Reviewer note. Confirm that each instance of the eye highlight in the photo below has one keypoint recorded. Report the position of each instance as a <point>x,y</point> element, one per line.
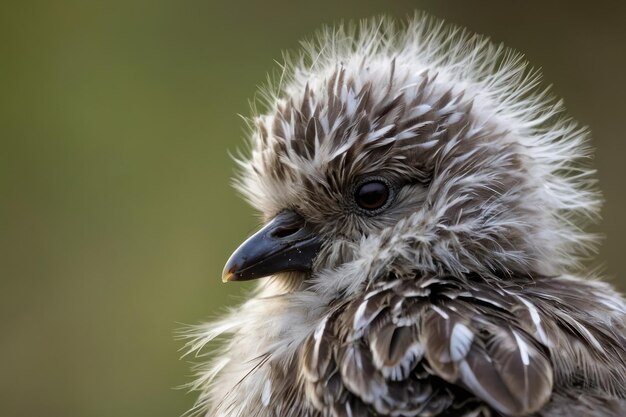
<point>372,195</point>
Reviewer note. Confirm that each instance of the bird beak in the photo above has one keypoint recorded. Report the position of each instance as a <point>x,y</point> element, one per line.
<point>286,243</point>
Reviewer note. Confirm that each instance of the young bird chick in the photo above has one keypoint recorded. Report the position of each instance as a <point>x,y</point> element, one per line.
<point>424,202</point>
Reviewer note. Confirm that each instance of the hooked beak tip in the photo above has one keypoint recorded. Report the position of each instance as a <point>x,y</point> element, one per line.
<point>228,274</point>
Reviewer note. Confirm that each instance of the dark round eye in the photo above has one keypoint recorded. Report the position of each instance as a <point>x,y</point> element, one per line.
<point>372,195</point>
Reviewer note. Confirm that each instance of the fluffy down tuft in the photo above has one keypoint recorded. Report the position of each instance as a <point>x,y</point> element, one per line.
<point>505,170</point>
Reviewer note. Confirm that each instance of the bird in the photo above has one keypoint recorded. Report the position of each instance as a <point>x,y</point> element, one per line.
<point>425,200</point>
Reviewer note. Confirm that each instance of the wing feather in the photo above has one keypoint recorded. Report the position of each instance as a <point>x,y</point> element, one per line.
<point>426,347</point>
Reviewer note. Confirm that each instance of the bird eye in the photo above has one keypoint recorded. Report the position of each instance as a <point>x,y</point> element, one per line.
<point>372,195</point>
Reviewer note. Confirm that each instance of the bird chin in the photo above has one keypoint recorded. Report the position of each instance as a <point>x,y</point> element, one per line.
<point>287,282</point>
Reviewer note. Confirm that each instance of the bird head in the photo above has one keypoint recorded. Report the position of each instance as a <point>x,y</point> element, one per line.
<point>388,149</point>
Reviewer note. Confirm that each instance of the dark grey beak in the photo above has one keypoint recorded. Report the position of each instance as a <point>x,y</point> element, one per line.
<point>286,243</point>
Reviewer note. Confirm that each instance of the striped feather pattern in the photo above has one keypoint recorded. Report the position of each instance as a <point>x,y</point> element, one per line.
<point>443,346</point>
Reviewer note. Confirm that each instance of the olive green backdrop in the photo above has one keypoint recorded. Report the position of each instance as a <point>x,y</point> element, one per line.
<point>116,215</point>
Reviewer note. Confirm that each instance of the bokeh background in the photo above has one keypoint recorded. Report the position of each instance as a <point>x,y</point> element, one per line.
<point>116,214</point>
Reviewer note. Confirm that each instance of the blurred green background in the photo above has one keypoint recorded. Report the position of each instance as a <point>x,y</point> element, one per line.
<point>116,215</point>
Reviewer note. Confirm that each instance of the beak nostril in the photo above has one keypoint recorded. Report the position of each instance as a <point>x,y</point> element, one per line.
<point>285,243</point>
<point>285,231</point>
